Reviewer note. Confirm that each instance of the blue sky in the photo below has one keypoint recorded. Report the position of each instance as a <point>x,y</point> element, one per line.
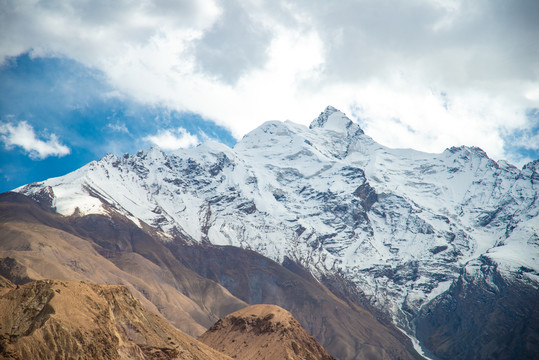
<point>61,97</point>
<point>79,79</point>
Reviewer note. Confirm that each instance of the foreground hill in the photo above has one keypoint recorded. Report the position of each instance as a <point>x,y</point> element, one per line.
<point>63,319</point>
<point>263,332</point>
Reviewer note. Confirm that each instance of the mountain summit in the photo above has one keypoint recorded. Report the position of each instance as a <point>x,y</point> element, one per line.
<point>333,119</point>
<point>411,230</point>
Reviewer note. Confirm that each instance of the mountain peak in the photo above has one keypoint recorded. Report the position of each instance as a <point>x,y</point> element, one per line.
<point>332,119</point>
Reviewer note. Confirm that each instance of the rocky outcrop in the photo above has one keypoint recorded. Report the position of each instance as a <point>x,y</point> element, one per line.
<point>263,332</point>
<point>62,319</point>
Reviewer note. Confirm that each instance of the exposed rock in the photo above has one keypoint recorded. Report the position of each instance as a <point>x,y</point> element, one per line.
<point>263,332</point>
<point>367,195</point>
<point>64,319</point>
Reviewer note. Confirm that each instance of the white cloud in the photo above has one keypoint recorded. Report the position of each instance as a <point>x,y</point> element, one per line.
<point>22,134</point>
<point>173,139</point>
<point>240,63</point>
<point>118,127</point>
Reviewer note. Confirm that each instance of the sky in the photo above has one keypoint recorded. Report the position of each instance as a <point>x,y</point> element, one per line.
<point>80,79</point>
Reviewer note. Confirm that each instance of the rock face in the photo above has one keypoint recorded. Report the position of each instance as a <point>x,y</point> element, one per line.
<point>482,316</point>
<point>263,332</point>
<point>66,319</point>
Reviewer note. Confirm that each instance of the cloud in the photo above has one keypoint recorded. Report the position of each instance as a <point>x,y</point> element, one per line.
<point>97,31</point>
<point>23,135</point>
<point>173,139</point>
<point>227,50</point>
<point>426,74</point>
<point>118,127</point>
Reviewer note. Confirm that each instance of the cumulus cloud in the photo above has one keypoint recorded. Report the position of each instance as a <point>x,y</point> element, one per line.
<point>228,52</point>
<point>426,74</point>
<point>173,139</point>
<point>22,135</point>
<point>95,32</point>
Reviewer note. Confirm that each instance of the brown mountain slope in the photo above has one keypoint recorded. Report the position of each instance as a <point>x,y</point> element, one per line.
<point>62,319</point>
<point>113,250</point>
<point>345,328</point>
<point>263,332</point>
<point>39,244</point>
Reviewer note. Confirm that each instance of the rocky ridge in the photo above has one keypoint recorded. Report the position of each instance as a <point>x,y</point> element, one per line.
<point>88,321</point>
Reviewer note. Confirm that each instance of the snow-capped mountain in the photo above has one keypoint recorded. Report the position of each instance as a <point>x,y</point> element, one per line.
<point>402,225</point>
